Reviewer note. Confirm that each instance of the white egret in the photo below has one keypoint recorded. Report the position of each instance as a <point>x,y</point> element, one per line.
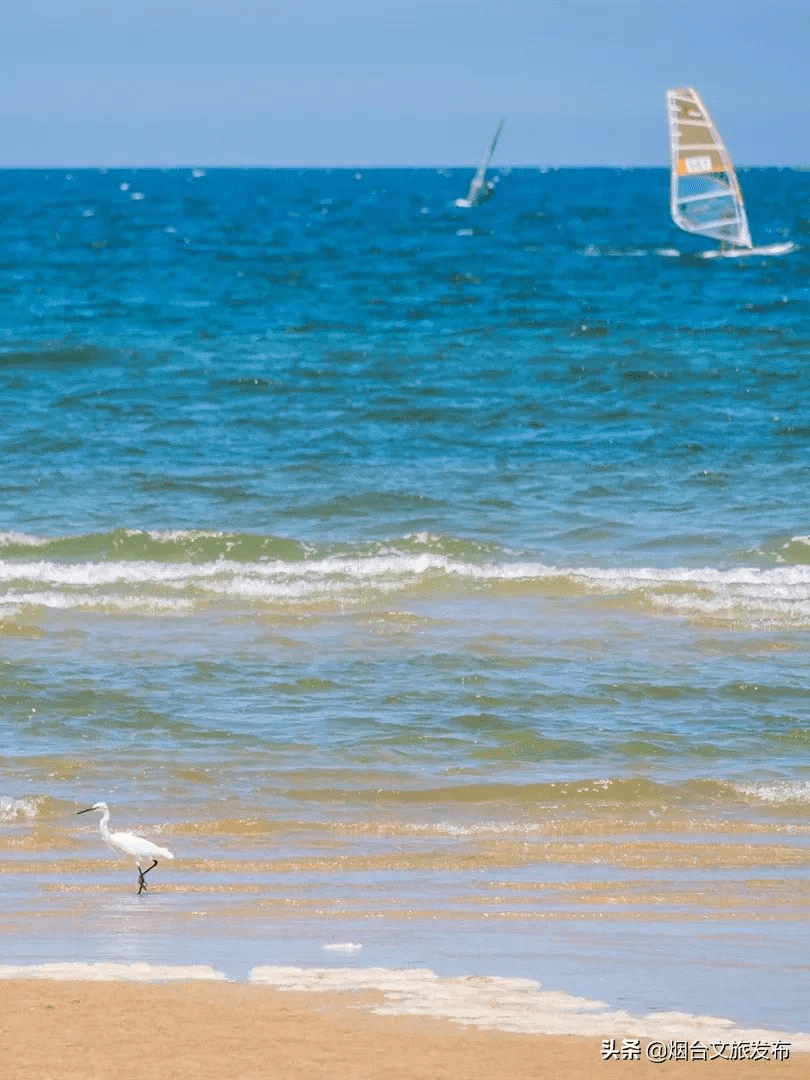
<point>127,843</point>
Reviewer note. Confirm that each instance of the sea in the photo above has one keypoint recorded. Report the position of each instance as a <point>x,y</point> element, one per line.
<point>433,582</point>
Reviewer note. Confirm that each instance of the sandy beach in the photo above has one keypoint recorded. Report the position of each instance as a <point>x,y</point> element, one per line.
<point>78,1030</point>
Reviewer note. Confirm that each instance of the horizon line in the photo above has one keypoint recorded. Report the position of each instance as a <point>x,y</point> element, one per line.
<point>473,167</point>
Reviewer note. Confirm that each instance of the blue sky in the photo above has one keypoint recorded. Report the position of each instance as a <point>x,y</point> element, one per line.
<point>395,82</point>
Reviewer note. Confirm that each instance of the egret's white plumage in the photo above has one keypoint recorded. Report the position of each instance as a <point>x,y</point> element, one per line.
<point>127,843</point>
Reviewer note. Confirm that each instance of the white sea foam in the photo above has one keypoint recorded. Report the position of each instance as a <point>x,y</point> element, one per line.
<point>777,792</point>
<point>12,602</point>
<point>12,809</point>
<point>506,1004</point>
<point>621,253</point>
<point>753,596</point>
<point>343,946</point>
<point>108,972</point>
<point>519,1005</point>
<point>176,534</point>
<point>7,538</point>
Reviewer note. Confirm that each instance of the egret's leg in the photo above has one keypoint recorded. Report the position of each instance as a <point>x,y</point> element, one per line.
<point>142,874</point>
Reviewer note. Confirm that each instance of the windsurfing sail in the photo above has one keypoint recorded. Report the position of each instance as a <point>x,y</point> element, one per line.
<point>482,189</point>
<point>705,196</point>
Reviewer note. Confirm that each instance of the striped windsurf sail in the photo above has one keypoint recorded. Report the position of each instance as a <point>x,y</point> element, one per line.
<point>705,192</point>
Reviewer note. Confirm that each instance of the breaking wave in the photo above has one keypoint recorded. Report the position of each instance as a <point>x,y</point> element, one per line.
<point>175,572</point>
<point>180,571</point>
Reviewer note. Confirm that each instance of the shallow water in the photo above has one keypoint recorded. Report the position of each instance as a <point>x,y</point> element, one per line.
<point>429,579</point>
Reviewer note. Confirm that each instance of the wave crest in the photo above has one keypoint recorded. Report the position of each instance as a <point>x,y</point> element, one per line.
<point>177,571</point>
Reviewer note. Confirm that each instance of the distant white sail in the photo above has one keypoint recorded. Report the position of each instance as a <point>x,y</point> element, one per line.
<point>705,193</point>
<point>480,188</point>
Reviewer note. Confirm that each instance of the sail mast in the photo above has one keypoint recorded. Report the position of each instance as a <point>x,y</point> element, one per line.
<point>480,190</point>
<point>492,145</point>
<point>478,179</point>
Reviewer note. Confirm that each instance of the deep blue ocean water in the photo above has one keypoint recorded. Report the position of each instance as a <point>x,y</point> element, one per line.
<point>338,523</point>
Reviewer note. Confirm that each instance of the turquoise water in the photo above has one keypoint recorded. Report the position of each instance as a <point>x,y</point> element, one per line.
<point>396,564</point>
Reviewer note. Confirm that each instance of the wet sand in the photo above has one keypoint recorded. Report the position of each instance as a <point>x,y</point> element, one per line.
<point>236,1031</point>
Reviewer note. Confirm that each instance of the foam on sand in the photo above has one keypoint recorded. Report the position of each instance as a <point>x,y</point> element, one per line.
<point>109,972</point>
<point>517,1005</point>
<point>486,1002</point>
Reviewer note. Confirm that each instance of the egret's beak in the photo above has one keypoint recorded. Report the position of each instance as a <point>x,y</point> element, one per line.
<point>87,811</point>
